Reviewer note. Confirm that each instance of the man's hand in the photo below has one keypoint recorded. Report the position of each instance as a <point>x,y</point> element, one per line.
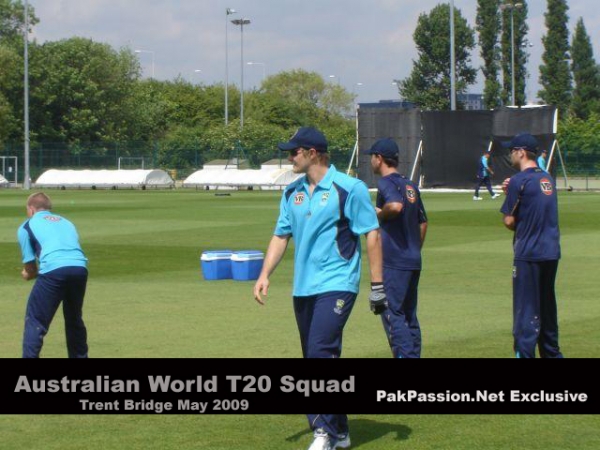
<point>505,186</point>
<point>30,271</point>
<point>261,287</point>
<point>377,298</point>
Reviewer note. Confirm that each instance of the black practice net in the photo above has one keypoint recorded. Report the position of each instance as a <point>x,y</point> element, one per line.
<point>404,126</point>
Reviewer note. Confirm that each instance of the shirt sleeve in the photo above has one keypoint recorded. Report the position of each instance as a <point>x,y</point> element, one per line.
<point>360,211</point>
<point>484,161</point>
<point>283,226</point>
<point>512,197</point>
<point>27,250</point>
<point>390,192</point>
<point>422,213</point>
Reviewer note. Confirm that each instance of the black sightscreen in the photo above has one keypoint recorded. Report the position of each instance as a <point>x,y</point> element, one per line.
<point>453,142</point>
<point>402,125</point>
<point>511,121</point>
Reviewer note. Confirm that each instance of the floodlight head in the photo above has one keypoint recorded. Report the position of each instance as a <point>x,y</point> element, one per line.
<point>240,21</point>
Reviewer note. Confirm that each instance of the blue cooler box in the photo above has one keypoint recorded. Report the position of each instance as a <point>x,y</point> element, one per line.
<point>247,264</point>
<point>216,264</point>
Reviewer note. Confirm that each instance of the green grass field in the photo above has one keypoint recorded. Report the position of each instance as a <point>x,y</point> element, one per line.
<point>146,298</point>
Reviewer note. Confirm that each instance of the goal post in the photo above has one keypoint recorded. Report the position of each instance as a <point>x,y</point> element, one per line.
<point>9,169</point>
<point>131,163</point>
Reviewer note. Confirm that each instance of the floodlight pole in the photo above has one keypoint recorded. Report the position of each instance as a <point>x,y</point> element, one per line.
<point>228,12</point>
<point>26,175</point>
<point>241,23</point>
<point>452,60</point>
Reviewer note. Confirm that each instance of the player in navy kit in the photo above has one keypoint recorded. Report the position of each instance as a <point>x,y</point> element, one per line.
<point>52,241</point>
<point>403,224</point>
<point>531,211</point>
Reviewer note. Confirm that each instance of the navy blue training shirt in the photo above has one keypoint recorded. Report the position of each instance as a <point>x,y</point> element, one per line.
<point>532,200</point>
<point>401,236</point>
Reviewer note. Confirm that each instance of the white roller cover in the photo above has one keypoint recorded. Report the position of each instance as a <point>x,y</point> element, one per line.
<point>104,178</point>
<point>233,178</point>
<point>3,181</point>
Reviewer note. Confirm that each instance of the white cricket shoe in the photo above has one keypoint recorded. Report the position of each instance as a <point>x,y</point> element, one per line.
<point>477,198</point>
<point>495,196</point>
<point>343,441</point>
<point>322,441</point>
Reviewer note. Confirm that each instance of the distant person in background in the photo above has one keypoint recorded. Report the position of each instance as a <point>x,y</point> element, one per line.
<point>541,161</point>
<point>325,212</point>
<point>52,241</point>
<point>531,211</point>
<point>483,176</point>
<point>403,223</point>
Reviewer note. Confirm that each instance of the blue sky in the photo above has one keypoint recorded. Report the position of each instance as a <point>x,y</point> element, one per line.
<point>357,41</point>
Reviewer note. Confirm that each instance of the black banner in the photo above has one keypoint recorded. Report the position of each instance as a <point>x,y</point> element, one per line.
<point>297,386</point>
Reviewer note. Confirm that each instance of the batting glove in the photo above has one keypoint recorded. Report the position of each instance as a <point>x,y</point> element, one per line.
<point>377,298</point>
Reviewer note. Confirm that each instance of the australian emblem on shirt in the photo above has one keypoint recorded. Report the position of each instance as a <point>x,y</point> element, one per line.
<point>546,186</point>
<point>411,194</point>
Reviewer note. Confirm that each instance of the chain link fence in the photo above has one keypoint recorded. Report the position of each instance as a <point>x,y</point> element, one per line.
<point>178,161</point>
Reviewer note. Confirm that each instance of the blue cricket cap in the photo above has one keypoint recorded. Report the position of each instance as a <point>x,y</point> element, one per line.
<point>525,141</point>
<point>386,147</point>
<point>306,137</point>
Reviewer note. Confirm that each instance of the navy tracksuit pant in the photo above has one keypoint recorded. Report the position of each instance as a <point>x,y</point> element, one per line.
<point>400,318</point>
<point>535,318</point>
<point>321,320</point>
<point>66,284</point>
<point>483,181</point>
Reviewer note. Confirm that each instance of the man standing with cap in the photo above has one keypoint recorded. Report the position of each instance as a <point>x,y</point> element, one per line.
<point>325,212</point>
<point>403,223</point>
<point>531,211</point>
<point>483,176</point>
<point>62,277</point>
<point>541,161</point>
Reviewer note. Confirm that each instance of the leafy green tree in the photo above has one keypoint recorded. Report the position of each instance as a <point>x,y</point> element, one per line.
<point>78,91</point>
<point>555,76</point>
<point>296,98</point>
<point>11,93</point>
<point>488,27</point>
<point>514,12</point>
<point>429,82</point>
<point>586,74</point>
<point>12,21</point>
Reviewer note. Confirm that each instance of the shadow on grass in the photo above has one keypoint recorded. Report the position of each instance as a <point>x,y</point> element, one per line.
<point>363,431</point>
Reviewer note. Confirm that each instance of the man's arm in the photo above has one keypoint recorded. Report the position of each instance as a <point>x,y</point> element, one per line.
<point>275,253</point>
<point>375,255</point>
<point>389,211</point>
<point>423,227</point>
<point>30,271</point>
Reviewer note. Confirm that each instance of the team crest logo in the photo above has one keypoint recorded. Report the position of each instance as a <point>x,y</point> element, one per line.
<point>299,198</point>
<point>339,305</point>
<point>324,198</point>
<point>546,186</point>
<point>411,194</point>
<point>52,218</point>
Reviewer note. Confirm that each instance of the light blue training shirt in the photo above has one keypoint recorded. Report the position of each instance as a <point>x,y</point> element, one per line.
<point>52,240</point>
<point>326,229</point>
